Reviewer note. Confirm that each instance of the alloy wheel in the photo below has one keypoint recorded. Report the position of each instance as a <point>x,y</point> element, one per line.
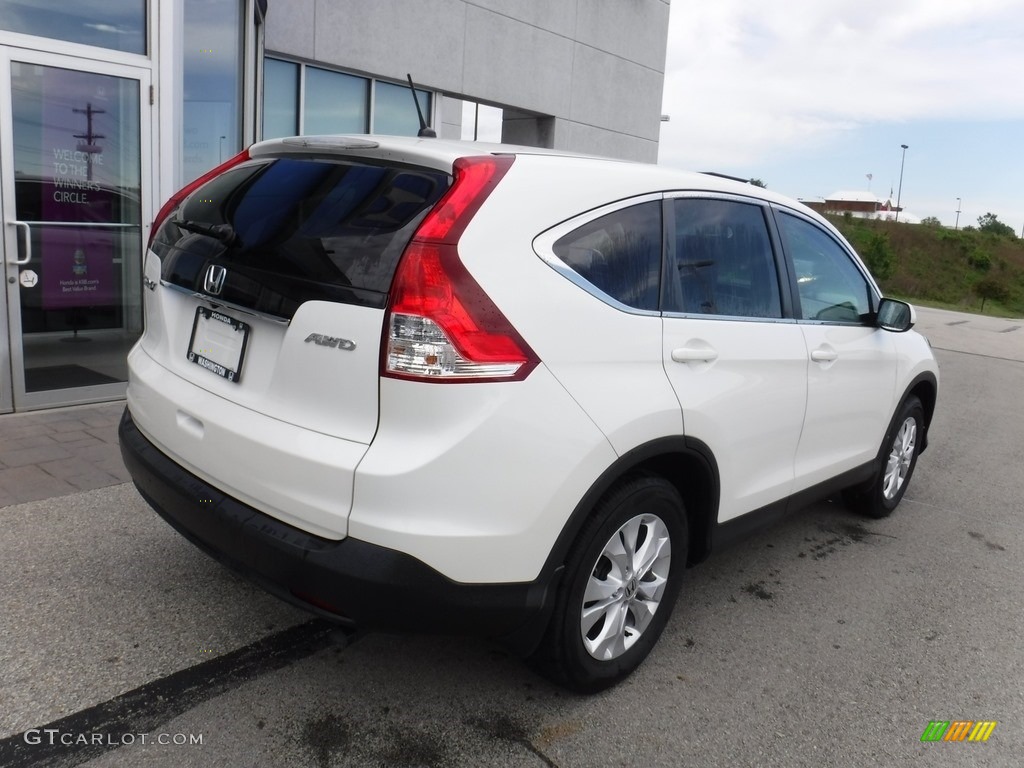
<point>900,457</point>
<point>625,587</point>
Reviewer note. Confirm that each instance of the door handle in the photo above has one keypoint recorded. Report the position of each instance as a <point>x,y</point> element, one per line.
<point>25,234</point>
<point>824,355</point>
<point>694,355</point>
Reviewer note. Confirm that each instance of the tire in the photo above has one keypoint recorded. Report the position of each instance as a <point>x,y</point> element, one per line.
<point>618,592</point>
<point>896,460</point>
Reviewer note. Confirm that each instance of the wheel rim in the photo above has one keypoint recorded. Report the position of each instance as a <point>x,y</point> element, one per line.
<point>625,587</point>
<point>900,457</point>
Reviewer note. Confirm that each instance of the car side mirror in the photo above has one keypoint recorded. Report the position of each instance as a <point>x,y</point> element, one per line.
<point>896,316</point>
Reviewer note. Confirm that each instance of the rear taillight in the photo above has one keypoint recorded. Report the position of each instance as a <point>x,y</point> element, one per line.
<point>175,200</point>
<point>440,325</point>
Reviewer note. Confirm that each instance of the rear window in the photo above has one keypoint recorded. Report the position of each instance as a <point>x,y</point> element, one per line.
<point>289,231</point>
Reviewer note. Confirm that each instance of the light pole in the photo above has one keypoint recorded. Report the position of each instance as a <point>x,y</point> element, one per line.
<point>900,193</point>
<point>221,159</point>
<point>957,225</point>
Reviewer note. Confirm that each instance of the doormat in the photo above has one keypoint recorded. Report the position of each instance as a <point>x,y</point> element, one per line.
<point>64,377</point>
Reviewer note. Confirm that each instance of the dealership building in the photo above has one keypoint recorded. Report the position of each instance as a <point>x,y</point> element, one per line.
<point>109,106</point>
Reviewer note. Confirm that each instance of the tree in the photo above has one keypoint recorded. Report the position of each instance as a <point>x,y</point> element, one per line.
<point>990,288</point>
<point>759,183</point>
<point>979,258</point>
<point>931,221</point>
<point>991,223</point>
<point>879,255</point>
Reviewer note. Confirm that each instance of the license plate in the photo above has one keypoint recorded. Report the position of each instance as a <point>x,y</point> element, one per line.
<point>218,343</point>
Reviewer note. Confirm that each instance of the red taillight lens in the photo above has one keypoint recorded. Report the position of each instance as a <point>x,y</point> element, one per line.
<point>475,179</point>
<point>441,326</point>
<point>175,200</point>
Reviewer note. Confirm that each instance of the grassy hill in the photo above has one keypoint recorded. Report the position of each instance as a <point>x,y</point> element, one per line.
<point>942,267</point>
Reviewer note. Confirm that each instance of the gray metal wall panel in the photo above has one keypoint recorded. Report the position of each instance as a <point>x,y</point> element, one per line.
<point>610,92</point>
<point>388,38</point>
<point>558,16</point>
<point>512,62</point>
<point>596,66</point>
<point>633,30</point>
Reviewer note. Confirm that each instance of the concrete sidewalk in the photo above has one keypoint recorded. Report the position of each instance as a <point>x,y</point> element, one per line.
<point>60,451</point>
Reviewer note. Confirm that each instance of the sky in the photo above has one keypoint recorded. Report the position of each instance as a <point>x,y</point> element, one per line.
<point>812,96</point>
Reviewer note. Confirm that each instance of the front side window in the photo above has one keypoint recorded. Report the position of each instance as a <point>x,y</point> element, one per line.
<point>722,262</point>
<point>619,254</point>
<point>830,286</point>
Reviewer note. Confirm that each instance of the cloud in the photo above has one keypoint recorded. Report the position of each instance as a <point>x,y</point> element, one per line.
<point>744,79</point>
<point>105,28</point>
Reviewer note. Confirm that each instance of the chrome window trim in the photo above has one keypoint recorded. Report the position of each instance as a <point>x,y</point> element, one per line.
<point>727,318</point>
<point>217,302</point>
<point>543,246</point>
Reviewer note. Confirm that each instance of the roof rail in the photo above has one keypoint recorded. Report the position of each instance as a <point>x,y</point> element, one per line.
<point>726,176</point>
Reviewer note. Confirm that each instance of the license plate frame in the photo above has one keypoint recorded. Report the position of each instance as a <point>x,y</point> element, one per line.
<point>218,343</point>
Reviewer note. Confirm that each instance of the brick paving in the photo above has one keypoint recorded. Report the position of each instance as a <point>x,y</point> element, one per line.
<point>60,451</point>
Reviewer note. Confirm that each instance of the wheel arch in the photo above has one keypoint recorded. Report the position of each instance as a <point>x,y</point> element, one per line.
<point>685,462</point>
<point>925,387</point>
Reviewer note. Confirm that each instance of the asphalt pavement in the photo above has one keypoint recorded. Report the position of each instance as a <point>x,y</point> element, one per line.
<point>826,640</point>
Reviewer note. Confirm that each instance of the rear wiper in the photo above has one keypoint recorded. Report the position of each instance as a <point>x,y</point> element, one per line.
<point>223,232</point>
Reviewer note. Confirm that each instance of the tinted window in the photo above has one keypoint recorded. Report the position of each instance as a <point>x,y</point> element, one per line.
<point>722,262</point>
<point>394,111</point>
<point>212,67</point>
<point>336,102</point>
<point>280,98</point>
<point>116,24</point>
<point>619,253</point>
<point>830,286</point>
<point>294,230</point>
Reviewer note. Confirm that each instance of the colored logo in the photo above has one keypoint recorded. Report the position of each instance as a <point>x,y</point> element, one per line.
<point>958,730</point>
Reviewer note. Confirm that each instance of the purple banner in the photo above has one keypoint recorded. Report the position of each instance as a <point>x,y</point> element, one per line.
<point>78,268</point>
<point>77,263</point>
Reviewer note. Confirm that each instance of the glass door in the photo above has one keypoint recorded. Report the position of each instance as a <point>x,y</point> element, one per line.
<point>74,154</point>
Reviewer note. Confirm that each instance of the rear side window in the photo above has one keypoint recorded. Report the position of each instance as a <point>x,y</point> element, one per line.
<point>722,261</point>
<point>294,230</point>
<point>619,254</point>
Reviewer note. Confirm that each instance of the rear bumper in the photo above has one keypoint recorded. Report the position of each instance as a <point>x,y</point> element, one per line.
<point>358,584</point>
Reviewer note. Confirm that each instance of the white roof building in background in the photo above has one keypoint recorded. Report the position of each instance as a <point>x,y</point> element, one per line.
<point>866,205</point>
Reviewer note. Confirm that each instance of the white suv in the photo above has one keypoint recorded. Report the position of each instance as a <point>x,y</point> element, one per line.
<point>411,384</point>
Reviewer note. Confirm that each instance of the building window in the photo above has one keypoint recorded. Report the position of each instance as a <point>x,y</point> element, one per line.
<point>394,113</point>
<point>211,127</point>
<point>336,102</point>
<point>281,103</point>
<point>119,25</point>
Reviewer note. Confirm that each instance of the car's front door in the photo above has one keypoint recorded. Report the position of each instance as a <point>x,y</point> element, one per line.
<point>852,363</point>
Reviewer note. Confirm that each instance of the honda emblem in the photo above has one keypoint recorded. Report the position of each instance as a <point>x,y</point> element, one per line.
<point>213,283</point>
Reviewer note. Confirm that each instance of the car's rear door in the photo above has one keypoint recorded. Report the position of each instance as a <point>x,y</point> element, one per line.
<point>738,366</point>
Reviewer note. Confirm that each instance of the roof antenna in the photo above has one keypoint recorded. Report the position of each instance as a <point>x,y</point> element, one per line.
<point>425,132</point>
